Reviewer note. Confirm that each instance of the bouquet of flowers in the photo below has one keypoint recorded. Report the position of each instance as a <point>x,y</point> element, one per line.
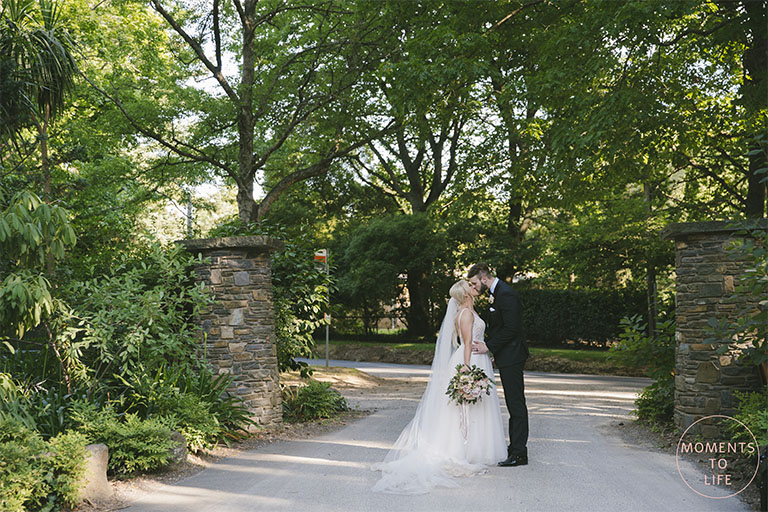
<point>468,385</point>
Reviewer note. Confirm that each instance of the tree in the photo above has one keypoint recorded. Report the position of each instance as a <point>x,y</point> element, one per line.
<point>378,253</point>
<point>299,61</point>
<point>426,91</point>
<point>38,57</point>
<point>517,62</point>
<point>682,94</point>
<point>33,235</point>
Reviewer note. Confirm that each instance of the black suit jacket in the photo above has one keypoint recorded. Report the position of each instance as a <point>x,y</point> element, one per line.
<point>505,335</point>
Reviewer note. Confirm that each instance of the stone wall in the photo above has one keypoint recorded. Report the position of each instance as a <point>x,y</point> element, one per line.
<point>240,326</point>
<point>705,278</point>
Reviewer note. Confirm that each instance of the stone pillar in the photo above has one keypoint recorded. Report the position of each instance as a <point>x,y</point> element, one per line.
<point>705,278</point>
<point>240,325</point>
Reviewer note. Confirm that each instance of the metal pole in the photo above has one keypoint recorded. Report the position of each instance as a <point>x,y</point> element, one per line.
<point>328,316</point>
<point>189,214</point>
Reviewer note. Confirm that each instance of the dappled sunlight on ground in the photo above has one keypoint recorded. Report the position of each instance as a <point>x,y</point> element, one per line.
<point>572,456</point>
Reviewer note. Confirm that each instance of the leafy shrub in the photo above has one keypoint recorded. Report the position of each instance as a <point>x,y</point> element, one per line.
<point>656,403</point>
<point>33,235</point>
<point>147,393</point>
<point>37,408</point>
<point>36,475</point>
<point>233,416</point>
<point>313,401</point>
<point>196,404</point>
<point>14,406</point>
<point>138,318</point>
<point>68,462</point>
<point>753,412</point>
<point>135,445</point>
<point>188,414</point>
<point>656,353</point>
<point>20,471</point>
<point>639,350</point>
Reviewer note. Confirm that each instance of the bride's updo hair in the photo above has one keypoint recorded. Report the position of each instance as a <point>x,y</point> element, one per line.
<point>460,291</point>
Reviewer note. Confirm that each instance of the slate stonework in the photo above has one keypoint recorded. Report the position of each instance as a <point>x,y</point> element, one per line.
<point>705,277</point>
<point>240,325</point>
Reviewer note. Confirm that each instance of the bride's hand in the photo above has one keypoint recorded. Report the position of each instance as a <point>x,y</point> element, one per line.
<point>479,347</point>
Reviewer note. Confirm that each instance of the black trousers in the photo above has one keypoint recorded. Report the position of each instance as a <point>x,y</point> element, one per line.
<point>514,396</point>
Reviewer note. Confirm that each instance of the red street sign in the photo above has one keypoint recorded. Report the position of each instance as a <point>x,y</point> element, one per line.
<point>321,255</point>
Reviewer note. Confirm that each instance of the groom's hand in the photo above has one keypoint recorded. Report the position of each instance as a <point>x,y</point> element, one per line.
<point>479,347</point>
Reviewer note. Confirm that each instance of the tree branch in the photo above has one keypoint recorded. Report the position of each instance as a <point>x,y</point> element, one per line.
<point>385,164</point>
<point>316,169</point>
<point>176,146</point>
<point>514,13</point>
<point>217,74</point>
<point>697,32</point>
<point>217,34</point>
<point>355,161</point>
<point>708,172</point>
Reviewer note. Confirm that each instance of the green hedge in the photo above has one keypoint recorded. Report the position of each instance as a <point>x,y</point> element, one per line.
<point>587,317</point>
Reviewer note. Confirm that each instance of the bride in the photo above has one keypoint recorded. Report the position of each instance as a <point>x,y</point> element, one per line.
<point>433,448</point>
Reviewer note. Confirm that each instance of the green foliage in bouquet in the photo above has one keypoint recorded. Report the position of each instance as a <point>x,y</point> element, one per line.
<point>468,384</point>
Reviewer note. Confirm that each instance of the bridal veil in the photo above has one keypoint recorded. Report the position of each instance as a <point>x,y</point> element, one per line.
<point>420,458</point>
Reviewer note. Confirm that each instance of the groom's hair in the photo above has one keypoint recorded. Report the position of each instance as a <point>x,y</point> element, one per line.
<point>479,269</point>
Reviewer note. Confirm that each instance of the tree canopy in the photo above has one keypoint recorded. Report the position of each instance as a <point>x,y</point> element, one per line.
<point>553,140</point>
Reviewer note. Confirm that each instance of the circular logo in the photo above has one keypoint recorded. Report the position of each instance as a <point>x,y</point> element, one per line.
<point>719,456</point>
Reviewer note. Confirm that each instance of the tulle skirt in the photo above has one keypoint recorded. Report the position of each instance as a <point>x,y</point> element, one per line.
<point>485,442</point>
<point>434,448</point>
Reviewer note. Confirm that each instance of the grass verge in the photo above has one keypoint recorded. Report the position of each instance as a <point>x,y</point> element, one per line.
<point>558,360</point>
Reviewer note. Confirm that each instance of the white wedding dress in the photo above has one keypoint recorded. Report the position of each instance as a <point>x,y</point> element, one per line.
<point>432,449</point>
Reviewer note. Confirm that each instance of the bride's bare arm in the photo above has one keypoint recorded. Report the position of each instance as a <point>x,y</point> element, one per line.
<point>465,325</point>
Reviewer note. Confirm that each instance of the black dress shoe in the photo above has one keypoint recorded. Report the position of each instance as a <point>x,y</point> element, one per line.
<point>514,460</point>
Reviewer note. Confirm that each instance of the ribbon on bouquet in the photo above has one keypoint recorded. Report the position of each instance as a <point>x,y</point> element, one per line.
<point>463,421</point>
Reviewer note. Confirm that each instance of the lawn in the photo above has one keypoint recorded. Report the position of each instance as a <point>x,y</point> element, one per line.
<point>565,353</point>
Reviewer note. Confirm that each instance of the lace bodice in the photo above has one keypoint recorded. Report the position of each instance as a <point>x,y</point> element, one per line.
<point>478,328</point>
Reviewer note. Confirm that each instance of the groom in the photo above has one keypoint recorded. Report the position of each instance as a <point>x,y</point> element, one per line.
<point>506,340</point>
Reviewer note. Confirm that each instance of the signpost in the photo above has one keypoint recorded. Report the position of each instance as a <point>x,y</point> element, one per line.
<point>321,256</point>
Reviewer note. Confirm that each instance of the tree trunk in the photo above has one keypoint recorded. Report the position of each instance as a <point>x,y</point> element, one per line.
<point>245,203</point>
<point>756,188</point>
<point>650,276</point>
<point>245,127</point>
<point>754,93</point>
<point>44,163</point>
